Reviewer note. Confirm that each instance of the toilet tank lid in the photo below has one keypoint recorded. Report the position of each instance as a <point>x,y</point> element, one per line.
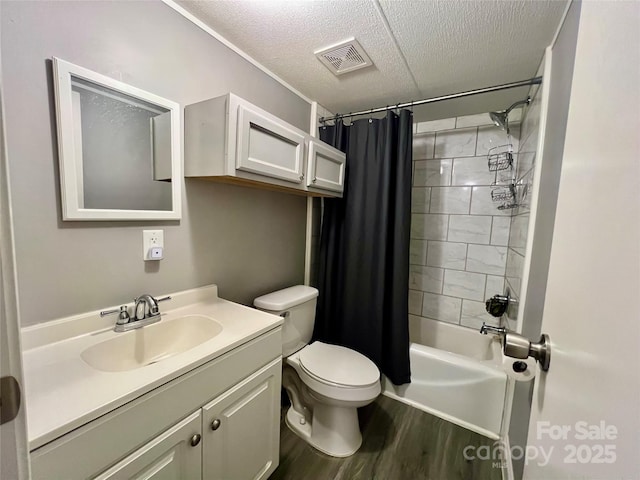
<point>286,298</point>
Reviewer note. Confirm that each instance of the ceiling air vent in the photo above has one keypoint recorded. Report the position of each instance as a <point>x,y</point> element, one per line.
<point>344,57</point>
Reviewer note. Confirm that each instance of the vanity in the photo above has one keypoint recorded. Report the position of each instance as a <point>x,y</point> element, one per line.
<point>195,395</point>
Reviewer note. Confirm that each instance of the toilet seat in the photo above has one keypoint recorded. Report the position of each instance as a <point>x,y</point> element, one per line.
<point>363,392</point>
<point>338,366</point>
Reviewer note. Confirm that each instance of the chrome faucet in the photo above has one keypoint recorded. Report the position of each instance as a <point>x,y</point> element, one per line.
<point>485,329</point>
<point>145,307</point>
<point>145,312</point>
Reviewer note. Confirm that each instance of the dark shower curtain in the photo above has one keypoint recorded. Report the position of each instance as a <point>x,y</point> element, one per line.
<point>363,274</point>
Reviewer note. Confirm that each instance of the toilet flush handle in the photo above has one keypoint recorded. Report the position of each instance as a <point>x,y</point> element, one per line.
<point>286,314</point>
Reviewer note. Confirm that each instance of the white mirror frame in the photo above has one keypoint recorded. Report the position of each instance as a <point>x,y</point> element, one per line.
<point>71,163</point>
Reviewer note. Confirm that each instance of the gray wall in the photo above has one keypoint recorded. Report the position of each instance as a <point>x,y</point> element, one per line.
<point>248,241</point>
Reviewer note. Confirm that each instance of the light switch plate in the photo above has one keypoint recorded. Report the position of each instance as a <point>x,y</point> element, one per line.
<point>151,239</point>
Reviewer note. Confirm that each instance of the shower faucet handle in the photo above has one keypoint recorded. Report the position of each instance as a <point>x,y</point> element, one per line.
<point>497,305</point>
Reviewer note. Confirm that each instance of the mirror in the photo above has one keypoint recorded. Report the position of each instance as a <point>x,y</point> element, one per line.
<point>118,146</point>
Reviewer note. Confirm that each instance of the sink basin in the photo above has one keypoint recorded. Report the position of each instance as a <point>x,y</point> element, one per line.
<point>153,343</point>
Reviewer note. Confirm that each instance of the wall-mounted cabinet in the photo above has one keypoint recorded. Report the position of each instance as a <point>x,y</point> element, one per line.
<point>268,147</point>
<point>326,167</point>
<point>230,140</point>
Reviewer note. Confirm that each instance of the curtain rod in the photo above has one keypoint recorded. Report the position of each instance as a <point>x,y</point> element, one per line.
<point>495,88</point>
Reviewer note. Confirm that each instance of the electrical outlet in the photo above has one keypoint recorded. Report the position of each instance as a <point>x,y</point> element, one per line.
<point>151,239</point>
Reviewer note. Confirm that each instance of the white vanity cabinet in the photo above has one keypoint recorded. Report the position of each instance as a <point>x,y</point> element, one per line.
<point>234,437</point>
<point>173,455</point>
<point>228,139</point>
<point>241,429</point>
<point>167,433</point>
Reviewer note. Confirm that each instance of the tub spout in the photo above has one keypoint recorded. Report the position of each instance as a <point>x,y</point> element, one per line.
<point>485,329</point>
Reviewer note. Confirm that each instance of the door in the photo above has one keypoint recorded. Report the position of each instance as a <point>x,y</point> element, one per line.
<point>269,147</point>
<point>14,454</point>
<point>326,167</point>
<point>174,455</point>
<point>585,412</point>
<point>242,428</point>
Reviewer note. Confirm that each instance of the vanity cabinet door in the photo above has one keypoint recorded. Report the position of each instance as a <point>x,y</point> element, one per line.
<point>175,454</point>
<point>241,428</point>
<point>326,167</point>
<point>267,147</point>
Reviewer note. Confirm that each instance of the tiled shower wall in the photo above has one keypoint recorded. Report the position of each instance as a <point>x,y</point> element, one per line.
<point>459,238</point>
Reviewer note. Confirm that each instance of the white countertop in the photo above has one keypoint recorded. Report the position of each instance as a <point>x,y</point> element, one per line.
<point>62,392</point>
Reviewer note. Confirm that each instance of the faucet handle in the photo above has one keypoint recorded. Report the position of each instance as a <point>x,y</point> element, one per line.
<point>168,297</point>
<point>153,308</point>
<point>497,305</point>
<point>123,314</point>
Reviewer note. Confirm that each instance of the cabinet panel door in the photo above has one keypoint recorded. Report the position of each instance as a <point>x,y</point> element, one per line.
<point>241,428</point>
<point>326,167</point>
<point>269,148</point>
<point>170,456</point>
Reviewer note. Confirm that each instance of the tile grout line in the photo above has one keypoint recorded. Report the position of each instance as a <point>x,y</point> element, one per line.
<point>477,135</point>
<point>466,256</point>
<point>433,150</point>
<point>491,231</point>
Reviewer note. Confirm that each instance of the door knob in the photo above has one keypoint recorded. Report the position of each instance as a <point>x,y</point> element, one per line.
<point>195,440</point>
<point>215,424</point>
<point>517,346</point>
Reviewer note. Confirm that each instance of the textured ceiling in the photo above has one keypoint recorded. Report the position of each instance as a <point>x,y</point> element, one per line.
<point>420,48</point>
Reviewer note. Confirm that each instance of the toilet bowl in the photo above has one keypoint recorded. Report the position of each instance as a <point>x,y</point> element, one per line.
<point>325,383</point>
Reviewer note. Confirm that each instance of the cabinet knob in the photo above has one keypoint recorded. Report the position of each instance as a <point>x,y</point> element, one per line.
<point>301,177</point>
<point>215,424</point>
<point>195,440</point>
<point>314,179</point>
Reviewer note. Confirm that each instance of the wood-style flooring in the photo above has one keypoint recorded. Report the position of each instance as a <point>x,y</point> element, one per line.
<point>399,443</point>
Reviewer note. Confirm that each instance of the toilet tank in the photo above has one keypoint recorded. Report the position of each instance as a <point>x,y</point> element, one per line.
<point>297,305</point>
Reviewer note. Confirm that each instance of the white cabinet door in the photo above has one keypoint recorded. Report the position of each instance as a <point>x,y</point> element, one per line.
<point>241,428</point>
<point>268,148</point>
<point>326,167</point>
<point>174,455</point>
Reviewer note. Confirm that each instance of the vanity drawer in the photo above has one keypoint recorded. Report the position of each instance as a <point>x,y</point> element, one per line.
<point>95,446</point>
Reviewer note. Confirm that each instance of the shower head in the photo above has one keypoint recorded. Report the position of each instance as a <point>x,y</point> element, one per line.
<point>501,119</point>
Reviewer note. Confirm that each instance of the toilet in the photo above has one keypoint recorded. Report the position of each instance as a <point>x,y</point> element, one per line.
<point>325,383</point>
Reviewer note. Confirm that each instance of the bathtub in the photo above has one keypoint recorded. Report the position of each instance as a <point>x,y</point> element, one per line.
<point>455,376</point>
